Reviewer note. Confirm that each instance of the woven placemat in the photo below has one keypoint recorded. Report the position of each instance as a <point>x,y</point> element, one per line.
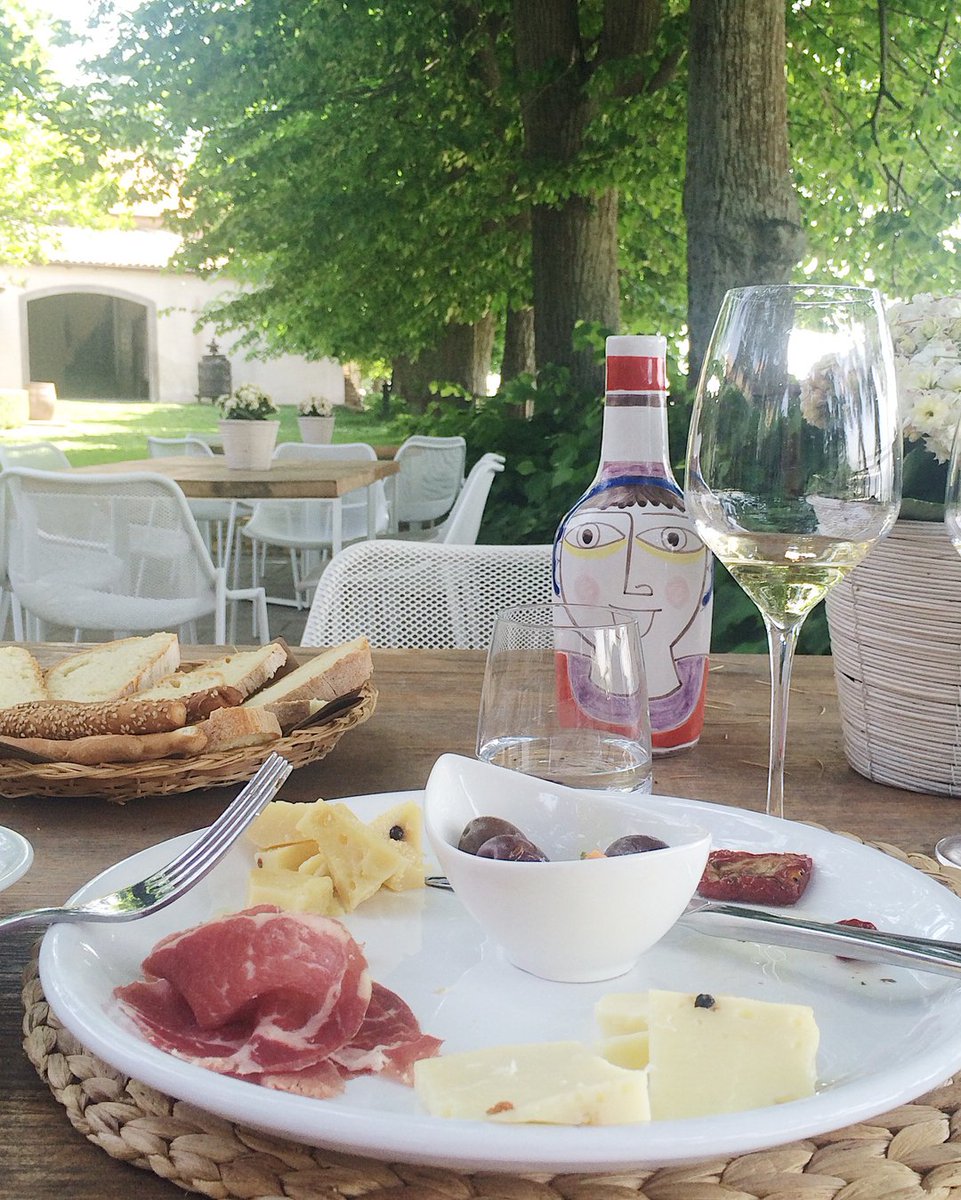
<point>910,1153</point>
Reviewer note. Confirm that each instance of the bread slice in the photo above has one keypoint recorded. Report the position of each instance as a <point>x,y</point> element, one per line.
<point>335,672</point>
<point>114,669</point>
<point>232,728</point>
<point>247,670</point>
<point>21,678</point>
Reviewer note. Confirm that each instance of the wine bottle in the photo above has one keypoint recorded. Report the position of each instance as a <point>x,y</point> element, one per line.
<point>628,543</point>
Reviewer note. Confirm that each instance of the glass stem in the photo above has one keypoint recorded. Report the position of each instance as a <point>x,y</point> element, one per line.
<point>781,643</point>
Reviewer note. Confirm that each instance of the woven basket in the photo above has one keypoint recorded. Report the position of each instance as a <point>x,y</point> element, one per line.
<point>895,627</point>
<point>128,781</point>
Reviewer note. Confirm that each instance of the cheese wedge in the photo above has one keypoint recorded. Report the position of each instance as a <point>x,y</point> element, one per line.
<point>554,1083</point>
<point>292,891</point>
<point>722,1054</point>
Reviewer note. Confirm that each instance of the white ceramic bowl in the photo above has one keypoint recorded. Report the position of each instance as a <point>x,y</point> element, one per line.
<point>570,919</point>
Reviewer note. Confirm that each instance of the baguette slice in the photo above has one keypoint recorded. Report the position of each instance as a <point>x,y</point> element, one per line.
<point>247,670</point>
<point>114,669</point>
<point>102,748</point>
<point>336,672</point>
<point>21,678</point>
<point>231,728</point>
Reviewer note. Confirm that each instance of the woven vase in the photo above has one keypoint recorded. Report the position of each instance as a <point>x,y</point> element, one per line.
<point>895,626</point>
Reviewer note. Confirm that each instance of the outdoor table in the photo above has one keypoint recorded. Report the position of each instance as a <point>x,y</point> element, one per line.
<point>287,479</point>
<point>428,706</point>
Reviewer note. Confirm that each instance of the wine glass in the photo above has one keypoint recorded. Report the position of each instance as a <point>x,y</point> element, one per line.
<point>794,457</point>
<point>565,697</point>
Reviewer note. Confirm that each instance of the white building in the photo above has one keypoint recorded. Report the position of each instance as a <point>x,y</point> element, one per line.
<point>104,318</point>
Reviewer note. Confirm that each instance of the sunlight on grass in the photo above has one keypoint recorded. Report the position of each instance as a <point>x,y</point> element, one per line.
<point>92,431</point>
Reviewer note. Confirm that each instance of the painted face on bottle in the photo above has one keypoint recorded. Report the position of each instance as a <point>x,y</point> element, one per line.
<point>645,559</point>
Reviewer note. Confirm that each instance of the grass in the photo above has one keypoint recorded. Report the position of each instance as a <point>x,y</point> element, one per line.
<point>94,431</point>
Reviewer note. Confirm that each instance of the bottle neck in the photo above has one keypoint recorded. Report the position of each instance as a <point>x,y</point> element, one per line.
<point>635,435</point>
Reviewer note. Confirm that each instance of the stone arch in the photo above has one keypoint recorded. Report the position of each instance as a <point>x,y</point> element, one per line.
<point>91,341</point>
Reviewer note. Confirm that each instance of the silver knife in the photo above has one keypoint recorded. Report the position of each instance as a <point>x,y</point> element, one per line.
<point>743,924</point>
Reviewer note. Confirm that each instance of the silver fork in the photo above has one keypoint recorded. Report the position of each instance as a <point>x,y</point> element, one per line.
<point>181,873</point>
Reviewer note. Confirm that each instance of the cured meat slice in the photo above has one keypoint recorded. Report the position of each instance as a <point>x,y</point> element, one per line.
<point>388,1041</point>
<point>255,992</point>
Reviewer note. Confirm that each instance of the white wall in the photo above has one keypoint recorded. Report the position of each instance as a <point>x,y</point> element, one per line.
<point>175,349</point>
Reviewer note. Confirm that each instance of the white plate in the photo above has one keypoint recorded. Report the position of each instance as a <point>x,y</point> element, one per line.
<point>16,855</point>
<point>887,1034</point>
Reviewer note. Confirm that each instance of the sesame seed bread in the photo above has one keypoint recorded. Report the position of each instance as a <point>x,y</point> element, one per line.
<point>66,719</point>
<point>114,669</point>
<point>246,671</point>
<point>21,678</point>
<point>335,672</point>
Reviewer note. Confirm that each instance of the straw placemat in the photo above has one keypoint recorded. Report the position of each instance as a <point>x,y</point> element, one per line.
<point>910,1153</point>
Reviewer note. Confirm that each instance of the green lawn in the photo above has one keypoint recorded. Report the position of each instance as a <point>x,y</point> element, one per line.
<point>92,431</point>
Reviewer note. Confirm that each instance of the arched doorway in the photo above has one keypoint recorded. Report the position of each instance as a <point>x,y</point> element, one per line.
<point>90,344</point>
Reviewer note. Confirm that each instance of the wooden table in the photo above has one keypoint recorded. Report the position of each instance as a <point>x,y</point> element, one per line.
<point>428,705</point>
<point>211,479</point>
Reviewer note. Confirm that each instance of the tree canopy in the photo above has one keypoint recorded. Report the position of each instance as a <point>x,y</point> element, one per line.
<point>367,173</point>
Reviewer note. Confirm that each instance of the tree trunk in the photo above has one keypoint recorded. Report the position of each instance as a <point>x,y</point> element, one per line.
<point>518,344</point>
<point>574,240</point>
<point>742,215</point>
<point>462,356</point>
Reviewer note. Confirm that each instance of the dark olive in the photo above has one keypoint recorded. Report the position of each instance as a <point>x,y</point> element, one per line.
<point>634,843</point>
<point>511,847</point>
<point>482,829</point>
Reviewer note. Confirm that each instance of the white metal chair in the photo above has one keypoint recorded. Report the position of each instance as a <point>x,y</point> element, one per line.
<point>463,522</point>
<point>114,552</point>
<point>431,475</point>
<point>310,529</point>
<point>9,604</point>
<point>216,518</point>
<point>43,456</point>
<point>424,595</point>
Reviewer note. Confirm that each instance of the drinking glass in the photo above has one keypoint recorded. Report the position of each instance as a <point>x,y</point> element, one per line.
<point>565,697</point>
<point>794,457</point>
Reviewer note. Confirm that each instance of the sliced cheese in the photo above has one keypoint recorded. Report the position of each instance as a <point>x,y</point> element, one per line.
<point>555,1083</point>
<point>284,858</point>
<point>621,1012</point>
<point>358,859</point>
<point>630,1050</point>
<point>405,820</point>
<point>728,1056</point>
<point>277,824</point>
<point>292,891</point>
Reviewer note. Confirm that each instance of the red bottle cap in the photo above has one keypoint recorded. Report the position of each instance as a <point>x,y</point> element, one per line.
<point>636,363</point>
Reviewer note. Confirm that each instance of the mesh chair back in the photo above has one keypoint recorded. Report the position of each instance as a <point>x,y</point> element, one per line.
<point>108,552</point>
<point>431,475</point>
<point>423,595</point>
<point>44,456</point>
<point>192,447</point>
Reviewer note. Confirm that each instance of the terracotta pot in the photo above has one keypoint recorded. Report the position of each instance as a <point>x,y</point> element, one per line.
<point>316,430</point>
<point>43,401</point>
<point>249,445</point>
<point>895,626</point>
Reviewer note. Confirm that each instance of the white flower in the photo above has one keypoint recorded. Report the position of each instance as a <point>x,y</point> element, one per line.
<point>926,332</point>
<point>316,406</point>
<point>247,403</point>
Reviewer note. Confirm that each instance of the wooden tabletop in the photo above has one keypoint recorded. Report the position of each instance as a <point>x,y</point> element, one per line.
<point>210,477</point>
<point>428,705</point>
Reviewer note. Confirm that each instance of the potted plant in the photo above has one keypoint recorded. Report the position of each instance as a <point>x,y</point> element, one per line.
<point>249,428</point>
<point>316,420</point>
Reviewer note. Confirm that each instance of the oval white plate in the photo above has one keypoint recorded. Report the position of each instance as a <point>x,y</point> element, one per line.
<point>887,1035</point>
<point>16,855</point>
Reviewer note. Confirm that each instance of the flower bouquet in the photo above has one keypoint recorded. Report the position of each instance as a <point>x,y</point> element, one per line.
<point>247,403</point>
<point>316,406</point>
<point>926,332</point>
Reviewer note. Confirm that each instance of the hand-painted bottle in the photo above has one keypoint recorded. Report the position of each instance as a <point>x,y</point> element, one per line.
<point>629,544</point>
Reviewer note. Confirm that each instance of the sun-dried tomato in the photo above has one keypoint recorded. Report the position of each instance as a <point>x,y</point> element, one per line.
<point>858,924</point>
<point>755,878</point>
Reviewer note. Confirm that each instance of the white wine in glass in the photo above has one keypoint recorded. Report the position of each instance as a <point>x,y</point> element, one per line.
<point>794,457</point>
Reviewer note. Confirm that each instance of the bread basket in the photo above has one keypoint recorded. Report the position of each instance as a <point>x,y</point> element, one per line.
<point>120,782</point>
